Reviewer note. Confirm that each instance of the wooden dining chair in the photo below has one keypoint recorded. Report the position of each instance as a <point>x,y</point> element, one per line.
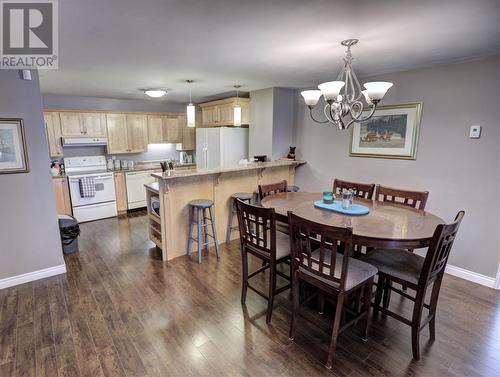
<point>416,273</point>
<point>415,199</point>
<point>360,190</point>
<point>258,237</point>
<point>272,188</point>
<point>317,261</point>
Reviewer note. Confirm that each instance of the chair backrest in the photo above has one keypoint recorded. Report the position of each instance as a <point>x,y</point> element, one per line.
<point>360,190</point>
<point>272,188</point>
<point>439,250</point>
<point>308,237</point>
<point>257,228</point>
<point>415,199</point>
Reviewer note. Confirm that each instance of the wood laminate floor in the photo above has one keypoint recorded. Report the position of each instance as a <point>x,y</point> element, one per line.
<point>120,311</point>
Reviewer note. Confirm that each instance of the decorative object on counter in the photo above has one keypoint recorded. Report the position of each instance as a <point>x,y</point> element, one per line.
<point>291,153</point>
<point>130,164</point>
<point>110,164</point>
<point>243,161</point>
<point>328,197</point>
<point>55,168</point>
<point>347,196</point>
<point>392,133</point>
<point>124,164</point>
<point>261,158</point>
<point>13,151</point>
<point>117,165</point>
<point>343,106</point>
<point>237,109</point>
<point>190,109</point>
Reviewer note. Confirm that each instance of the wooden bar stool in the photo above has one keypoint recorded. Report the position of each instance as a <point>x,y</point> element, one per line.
<point>200,207</point>
<point>243,196</point>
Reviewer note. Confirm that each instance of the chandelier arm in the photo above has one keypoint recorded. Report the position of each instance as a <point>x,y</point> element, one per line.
<point>328,113</point>
<point>358,118</point>
<point>357,84</point>
<point>312,117</point>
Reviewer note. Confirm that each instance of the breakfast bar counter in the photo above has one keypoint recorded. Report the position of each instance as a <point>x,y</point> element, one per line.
<point>177,188</point>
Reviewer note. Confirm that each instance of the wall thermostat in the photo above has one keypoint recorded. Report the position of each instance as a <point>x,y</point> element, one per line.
<point>475,132</point>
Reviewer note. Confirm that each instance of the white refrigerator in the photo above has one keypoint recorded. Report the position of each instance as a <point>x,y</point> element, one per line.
<point>221,146</point>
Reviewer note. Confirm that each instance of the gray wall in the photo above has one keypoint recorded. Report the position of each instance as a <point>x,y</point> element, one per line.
<point>459,172</point>
<point>271,123</point>
<point>29,232</point>
<point>97,103</point>
<point>260,133</point>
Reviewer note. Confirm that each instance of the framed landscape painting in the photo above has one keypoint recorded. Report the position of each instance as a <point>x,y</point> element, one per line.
<point>13,153</point>
<point>392,132</point>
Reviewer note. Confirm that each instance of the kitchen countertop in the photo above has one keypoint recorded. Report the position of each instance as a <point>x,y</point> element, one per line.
<point>155,186</point>
<point>200,172</point>
<point>155,166</point>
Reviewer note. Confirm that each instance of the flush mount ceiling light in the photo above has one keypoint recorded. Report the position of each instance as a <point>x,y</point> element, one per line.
<point>190,109</point>
<point>343,106</point>
<point>237,109</point>
<point>155,92</point>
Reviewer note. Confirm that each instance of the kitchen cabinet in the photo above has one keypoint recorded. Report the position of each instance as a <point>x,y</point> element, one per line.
<point>127,133</point>
<point>53,131</point>
<point>61,195</point>
<point>75,124</point>
<point>120,192</point>
<point>188,139</point>
<point>164,129</point>
<point>221,112</point>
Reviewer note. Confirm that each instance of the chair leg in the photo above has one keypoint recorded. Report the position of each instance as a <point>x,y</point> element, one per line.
<point>378,294</point>
<point>335,331</point>
<point>272,289</point>
<point>190,231</point>
<point>415,323</point>
<point>214,232</point>
<point>367,298</point>
<point>321,303</point>
<point>433,305</point>
<point>230,223</point>
<point>387,293</point>
<point>295,306</point>
<point>205,229</point>
<point>200,235</point>
<point>244,287</point>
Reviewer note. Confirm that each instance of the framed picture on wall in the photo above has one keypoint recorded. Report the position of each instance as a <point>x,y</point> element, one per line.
<point>392,132</point>
<point>13,152</point>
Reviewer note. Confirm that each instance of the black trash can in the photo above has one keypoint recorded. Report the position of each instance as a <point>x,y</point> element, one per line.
<point>70,230</point>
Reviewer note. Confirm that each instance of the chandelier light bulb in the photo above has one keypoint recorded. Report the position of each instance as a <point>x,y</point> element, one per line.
<point>311,97</point>
<point>377,89</point>
<point>331,89</point>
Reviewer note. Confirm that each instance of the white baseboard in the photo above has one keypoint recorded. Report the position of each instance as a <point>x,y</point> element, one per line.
<point>472,276</point>
<point>31,276</point>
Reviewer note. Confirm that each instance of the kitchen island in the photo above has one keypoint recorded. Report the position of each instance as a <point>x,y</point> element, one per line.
<point>176,189</point>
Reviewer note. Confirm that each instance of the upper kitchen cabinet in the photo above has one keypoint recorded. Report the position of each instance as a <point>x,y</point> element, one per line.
<point>127,133</point>
<point>75,124</point>
<point>53,130</point>
<point>188,139</point>
<point>137,132</point>
<point>164,129</point>
<point>221,112</point>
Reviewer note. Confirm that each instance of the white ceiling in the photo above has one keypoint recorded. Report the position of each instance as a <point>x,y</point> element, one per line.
<point>111,48</point>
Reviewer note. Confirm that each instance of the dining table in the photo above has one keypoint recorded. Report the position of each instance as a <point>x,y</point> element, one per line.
<point>387,225</point>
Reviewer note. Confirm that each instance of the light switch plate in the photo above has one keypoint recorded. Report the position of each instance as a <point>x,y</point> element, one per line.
<point>475,132</point>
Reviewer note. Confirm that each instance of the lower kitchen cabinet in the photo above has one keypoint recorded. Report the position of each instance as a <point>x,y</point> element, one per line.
<point>121,192</point>
<point>61,194</point>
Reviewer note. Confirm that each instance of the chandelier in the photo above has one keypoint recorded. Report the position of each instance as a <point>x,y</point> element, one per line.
<point>343,106</point>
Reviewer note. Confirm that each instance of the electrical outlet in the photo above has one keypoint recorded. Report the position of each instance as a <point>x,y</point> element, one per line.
<point>475,132</point>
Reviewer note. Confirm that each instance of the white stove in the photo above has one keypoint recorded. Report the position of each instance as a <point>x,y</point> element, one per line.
<point>103,203</point>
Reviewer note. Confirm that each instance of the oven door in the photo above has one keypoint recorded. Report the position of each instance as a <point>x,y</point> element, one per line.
<point>104,189</point>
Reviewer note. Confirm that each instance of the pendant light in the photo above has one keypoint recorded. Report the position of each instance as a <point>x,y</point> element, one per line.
<point>237,109</point>
<point>190,109</point>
